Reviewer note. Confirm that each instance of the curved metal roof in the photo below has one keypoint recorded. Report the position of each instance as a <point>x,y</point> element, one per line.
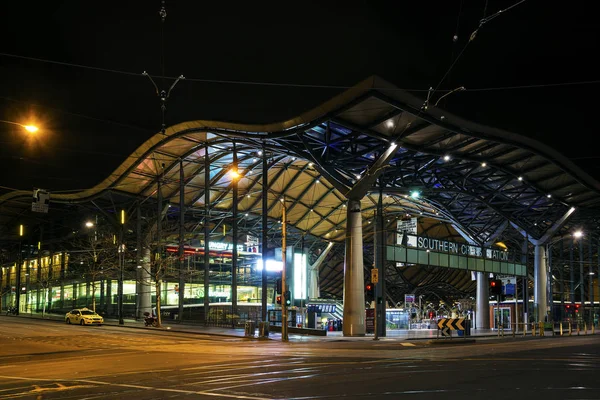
<point>485,182</point>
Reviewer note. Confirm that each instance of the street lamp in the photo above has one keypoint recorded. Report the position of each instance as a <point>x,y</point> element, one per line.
<point>28,128</point>
<point>121,252</point>
<point>18,272</point>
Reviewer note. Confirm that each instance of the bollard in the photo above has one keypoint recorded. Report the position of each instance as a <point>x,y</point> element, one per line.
<point>541,328</point>
<point>593,330</point>
<point>585,328</point>
<point>533,329</point>
<point>570,329</point>
<point>578,329</point>
<point>524,329</point>
<point>513,330</point>
<point>561,331</point>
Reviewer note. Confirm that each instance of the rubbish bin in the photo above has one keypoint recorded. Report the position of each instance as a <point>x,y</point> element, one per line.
<point>263,329</point>
<point>250,328</point>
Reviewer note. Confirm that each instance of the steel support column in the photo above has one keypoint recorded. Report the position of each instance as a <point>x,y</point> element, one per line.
<point>234,252</point>
<point>540,283</point>
<point>354,294</point>
<point>143,269</point>
<point>379,251</point>
<point>206,234</point>
<point>181,251</point>
<point>482,310</point>
<point>264,246</point>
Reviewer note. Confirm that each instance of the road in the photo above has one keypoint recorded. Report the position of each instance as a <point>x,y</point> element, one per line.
<point>42,359</point>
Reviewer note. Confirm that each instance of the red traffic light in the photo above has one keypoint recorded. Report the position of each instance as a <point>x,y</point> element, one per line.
<point>278,299</point>
<point>369,286</point>
<point>493,283</point>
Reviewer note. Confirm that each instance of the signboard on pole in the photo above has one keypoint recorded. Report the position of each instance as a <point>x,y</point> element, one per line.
<point>41,201</point>
<point>374,275</point>
<point>409,298</point>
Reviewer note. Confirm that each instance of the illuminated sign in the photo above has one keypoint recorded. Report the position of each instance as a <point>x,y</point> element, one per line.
<point>463,249</point>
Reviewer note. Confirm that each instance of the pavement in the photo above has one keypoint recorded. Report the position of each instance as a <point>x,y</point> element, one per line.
<point>431,336</point>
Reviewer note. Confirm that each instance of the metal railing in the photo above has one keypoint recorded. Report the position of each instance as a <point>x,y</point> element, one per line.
<point>553,328</point>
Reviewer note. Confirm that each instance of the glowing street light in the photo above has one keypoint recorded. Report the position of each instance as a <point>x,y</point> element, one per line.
<point>28,128</point>
<point>234,173</point>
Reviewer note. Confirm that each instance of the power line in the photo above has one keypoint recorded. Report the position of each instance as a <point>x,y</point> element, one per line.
<point>296,85</point>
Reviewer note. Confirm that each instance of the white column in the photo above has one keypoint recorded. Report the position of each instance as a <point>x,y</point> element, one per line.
<point>354,291</point>
<point>482,311</point>
<point>540,281</point>
<point>145,278</point>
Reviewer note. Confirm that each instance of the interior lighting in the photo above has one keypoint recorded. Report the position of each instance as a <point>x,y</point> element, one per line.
<point>415,194</point>
<point>484,164</point>
<point>578,234</point>
<point>520,178</point>
<point>389,123</point>
<point>548,195</point>
<point>446,158</point>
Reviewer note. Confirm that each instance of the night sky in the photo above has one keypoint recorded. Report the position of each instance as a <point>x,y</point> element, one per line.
<point>75,67</point>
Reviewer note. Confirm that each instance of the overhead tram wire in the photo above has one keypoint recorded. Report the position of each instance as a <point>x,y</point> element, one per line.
<point>483,20</point>
<point>278,84</point>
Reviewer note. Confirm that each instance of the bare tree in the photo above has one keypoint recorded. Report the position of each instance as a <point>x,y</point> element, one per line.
<point>95,257</point>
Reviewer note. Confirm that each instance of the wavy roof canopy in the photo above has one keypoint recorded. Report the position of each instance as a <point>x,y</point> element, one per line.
<point>315,159</point>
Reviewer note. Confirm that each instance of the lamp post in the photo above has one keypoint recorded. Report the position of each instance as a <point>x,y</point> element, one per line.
<point>18,272</point>
<point>121,252</point>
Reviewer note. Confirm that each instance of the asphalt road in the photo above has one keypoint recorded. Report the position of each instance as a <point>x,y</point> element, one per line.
<point>42,359</point>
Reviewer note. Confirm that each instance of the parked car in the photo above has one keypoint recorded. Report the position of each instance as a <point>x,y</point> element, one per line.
<point>83,316</point>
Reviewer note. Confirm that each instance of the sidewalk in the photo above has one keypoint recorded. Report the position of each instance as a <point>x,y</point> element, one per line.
<point>193,328</point>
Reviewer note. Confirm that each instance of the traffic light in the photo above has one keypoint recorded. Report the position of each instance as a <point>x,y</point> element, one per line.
<point>278,299</point>
<point>430,314</point>
<point>576,308</point>
<point>288,298</point>
<point>278,286</point>
<point>369,292</point>
<point>495,287</point>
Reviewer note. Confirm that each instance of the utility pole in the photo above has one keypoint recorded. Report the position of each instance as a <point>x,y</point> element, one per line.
<point>121,253</point>
<point>18,271</point>
<point>284,322</point>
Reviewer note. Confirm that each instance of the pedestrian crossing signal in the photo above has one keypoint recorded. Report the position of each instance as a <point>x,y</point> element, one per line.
<point>369,291</point>
<point>495,287</point>
<point>279,299</point>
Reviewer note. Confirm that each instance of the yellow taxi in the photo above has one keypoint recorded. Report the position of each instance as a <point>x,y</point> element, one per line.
<point>83,316</point>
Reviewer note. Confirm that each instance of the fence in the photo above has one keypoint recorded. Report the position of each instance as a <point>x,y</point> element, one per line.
<point>560,328</point>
